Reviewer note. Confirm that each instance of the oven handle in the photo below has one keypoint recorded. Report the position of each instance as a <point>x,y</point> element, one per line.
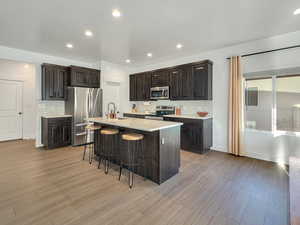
<point>154,118</point>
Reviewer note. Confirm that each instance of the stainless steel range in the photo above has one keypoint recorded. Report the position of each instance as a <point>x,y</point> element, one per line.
<point>160,112</point>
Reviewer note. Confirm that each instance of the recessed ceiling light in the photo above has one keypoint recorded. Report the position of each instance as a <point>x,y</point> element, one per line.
<point>179,46</point>
<point>69,45</point>
<point>88,33</point>
<point>297,11</point>
<point>149,54</point>
<point>128,60</point>
<point>26,66</point>
<point>116,13</point>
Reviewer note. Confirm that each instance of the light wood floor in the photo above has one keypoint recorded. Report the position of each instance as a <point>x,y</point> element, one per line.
<point>56,187</point>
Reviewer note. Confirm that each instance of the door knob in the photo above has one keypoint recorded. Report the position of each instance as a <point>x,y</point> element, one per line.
<point>20,113</point>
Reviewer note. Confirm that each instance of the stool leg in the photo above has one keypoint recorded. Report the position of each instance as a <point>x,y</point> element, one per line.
<point>100,159</point>
<point>144,160</point>
<point>106,166</point>
<point>120,172</point>
<point>91,151</point>
<point>130,179</point>
<point>84,152</point>
<point>90,154</point>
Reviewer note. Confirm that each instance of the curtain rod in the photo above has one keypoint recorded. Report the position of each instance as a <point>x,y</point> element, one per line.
<point>273,50</point>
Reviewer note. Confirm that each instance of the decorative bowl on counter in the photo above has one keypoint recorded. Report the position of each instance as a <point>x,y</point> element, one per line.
<point>202,114</point>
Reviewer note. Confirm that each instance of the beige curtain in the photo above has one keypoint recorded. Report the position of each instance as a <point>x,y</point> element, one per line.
<point>235,107</point>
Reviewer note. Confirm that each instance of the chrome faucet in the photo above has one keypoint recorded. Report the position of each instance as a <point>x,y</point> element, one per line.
<point>113,113</point>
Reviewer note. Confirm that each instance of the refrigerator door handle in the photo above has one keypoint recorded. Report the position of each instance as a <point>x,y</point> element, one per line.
<point>90,103</point>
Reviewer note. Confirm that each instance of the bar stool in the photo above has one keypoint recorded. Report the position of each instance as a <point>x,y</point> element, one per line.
<point>108,146</point>
<point>89,144</point>
<point>131,155</point>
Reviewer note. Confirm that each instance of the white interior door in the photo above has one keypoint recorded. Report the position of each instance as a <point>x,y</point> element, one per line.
<point>11,110</point>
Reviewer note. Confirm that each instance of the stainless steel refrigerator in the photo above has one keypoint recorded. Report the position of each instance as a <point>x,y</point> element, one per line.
<point>82,103</point>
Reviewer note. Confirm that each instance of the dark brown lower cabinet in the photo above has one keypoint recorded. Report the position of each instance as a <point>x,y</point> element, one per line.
<point>195,135</point>
<point>56,132</point>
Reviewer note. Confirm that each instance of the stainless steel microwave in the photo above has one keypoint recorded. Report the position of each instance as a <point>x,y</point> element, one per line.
<point>159,93</point>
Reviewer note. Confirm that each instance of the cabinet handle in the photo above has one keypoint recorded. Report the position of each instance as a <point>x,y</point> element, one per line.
<point>175,72</point>
<point>199,68</point>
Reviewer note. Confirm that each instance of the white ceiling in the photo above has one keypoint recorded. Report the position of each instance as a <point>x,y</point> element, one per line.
<point>145,26</point>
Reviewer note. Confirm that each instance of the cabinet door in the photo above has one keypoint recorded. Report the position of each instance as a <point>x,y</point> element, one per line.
<point>66,134</point>
<point>175,84</point>
<point>202,76</point>
<point>79,77</point>
<point>160,78</point>
<point>54,80</point>
<point>147,86</point>
<point>49,87</point>
<point>94,78</point>
<point>139,87</point>
<point>191,137</point>
<point>132,87</point>
<point>186,83</point>
<point>54,135</point>
<point>181,85</point>
<point>59,132</point>
<point>143,85</point>
<point>60,83</point>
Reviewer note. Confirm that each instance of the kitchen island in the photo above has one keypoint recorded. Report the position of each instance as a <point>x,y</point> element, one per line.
<point>161,144</point>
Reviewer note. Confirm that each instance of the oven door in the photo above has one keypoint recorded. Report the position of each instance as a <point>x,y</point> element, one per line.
<point>154,118</point>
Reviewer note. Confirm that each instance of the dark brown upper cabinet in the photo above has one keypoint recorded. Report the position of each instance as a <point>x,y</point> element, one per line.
<point>54,82</point>
<point>160,78</point>
<point>143,84</point>
<point>202,79</point>
<point>191,81</point>
<point>84,77</point>
<point>139,87</point>
<point>132,87</point>
<point>181,83</point>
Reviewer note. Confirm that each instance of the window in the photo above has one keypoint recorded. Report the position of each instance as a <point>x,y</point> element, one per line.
<point>288,103</point>
<point>251,96</point>
<point>273,103</point>
<point>258,104</point>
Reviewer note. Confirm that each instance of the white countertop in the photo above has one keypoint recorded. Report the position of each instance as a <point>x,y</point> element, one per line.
<point>187,116</point>
<point>137,124</point>
<point>55,116</point>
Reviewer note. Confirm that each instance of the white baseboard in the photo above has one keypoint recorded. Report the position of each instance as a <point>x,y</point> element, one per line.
<point>217,149</point>
<point>255,155</point>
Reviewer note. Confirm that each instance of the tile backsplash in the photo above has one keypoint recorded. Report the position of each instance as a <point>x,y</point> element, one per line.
<point>51,108</point>
<point>188,107</point>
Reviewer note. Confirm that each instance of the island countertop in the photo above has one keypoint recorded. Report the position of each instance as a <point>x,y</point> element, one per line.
<point>137,124</point>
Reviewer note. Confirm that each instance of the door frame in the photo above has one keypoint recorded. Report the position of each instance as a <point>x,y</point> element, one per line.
<point>21,106</point>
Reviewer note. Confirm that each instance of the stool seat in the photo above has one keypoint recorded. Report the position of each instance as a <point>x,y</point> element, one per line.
<point>132,137</point>
<point>109,131</point>
<point>92,127</point>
